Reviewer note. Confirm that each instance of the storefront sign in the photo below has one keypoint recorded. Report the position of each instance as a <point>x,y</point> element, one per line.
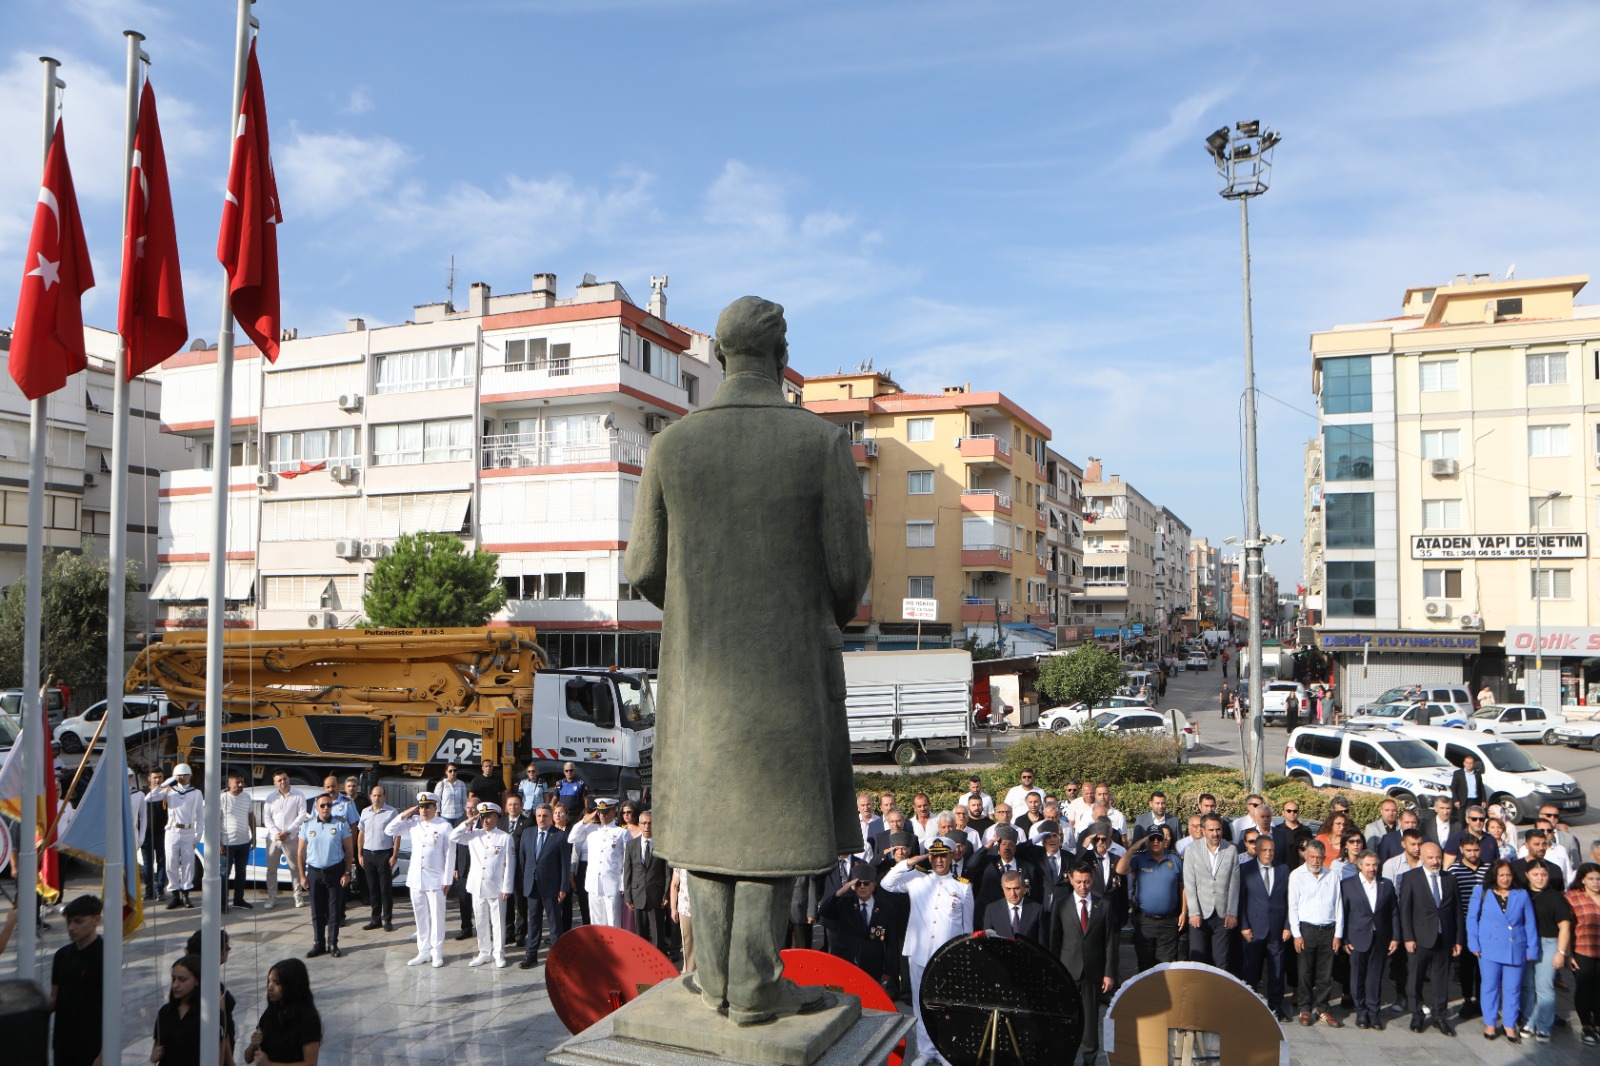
<point>1501,546</point>
<point>1578,641</point>
<point>1434,643</point>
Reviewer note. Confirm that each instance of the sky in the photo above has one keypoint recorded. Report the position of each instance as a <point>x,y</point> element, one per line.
<point>1014,196</point>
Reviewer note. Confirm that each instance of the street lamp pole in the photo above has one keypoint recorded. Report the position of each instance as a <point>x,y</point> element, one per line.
<point>1243,157</point>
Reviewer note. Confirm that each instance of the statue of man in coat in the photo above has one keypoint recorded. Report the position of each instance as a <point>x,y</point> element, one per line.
<point>750,534</point>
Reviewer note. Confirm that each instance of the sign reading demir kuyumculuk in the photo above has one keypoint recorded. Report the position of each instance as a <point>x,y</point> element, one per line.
<point>1500,546</point>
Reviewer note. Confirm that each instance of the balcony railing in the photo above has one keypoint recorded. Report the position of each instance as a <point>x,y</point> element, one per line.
<point>1001,445</point>
<point>508,451</point>
<point>864,449</point>
<point>1003,499</point>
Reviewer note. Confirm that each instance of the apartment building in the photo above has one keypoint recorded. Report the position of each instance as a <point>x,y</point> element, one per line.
<point>1063,495</point>
<point>1458,474</point>
<point>520,423</point>
<point>1119,552</point>
<point>1174,577</point>
<point>955,485</point>
<point>1239,592</point>
<point>1203,591</point>
<point>77,513</point>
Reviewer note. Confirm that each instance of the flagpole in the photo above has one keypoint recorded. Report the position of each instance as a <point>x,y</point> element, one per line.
<point>113,763</point>
<point>213,886</point>
<point>33,637</point>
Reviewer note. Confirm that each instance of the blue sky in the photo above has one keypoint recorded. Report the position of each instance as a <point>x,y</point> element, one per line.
<point>1010,195</point>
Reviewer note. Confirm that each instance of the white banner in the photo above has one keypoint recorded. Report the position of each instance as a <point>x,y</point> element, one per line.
<point>1500,546</point>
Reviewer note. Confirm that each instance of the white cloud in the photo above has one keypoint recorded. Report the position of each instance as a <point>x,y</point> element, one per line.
<point>325,174</point>
<point>359,102</point>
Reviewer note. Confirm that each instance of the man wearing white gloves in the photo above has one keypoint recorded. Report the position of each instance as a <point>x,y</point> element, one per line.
<point>489,880</point>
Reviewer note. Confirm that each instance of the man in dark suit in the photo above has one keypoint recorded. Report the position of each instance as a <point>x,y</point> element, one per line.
<point>645,876</point>
<point>1442,824</point>
<point>1080,936</point>
<point>991,864</point>
<point>1102,856</point>
<point>867,925</point>
<point>544,874</point>
<point>1431,927</point>
<point>1466,784</point>
<point>514,823</point>
<point>1264,920</point>
<point>1052,860</point>
<point>1016,917</point>
<point>893,822</point>
<point>1367,917</point>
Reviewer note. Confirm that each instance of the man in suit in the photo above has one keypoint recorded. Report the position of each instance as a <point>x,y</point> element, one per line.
<point>871,826</point>
<point>1101,855</point>
<point>1264,920</point>
<point>1466,784</point>
<point>544,877</point>
<point>897,848</point>
<point>1053,861</point>
<point>644,885</point>
<point>1211,882</point>
<point>514,823</point>
<point>1156,815</point>
<point>1080,936</point>
<point>867,925</point>
<point>994,862</point>
<point>1431,927</point>
<point>1016,917</point>
<point>1442,824</point>
<point>1367,902</point>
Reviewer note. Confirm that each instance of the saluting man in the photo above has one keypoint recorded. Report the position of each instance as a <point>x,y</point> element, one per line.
<point>489,880</point>
<point>185,809</point>
<point>606,841</point>
<point>941,910</point>
<point>433,867</point>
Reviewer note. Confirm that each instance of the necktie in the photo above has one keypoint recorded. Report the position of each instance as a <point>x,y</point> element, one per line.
<point>644,851</point>
<point>1083,916</point>
<point>1055,869</point>
<point>1016,920</point>
<point>865,916</point>
<point>844,871</point>
<point>1266,878</point>
<point>538,846</point>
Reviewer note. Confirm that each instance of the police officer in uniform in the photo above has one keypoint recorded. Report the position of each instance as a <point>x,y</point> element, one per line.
<point>941,910</point>
<point>605,841</point>
<point>327,849</point>
<point>490,879</point>
<point>185,808</point>
<point>433,867</point>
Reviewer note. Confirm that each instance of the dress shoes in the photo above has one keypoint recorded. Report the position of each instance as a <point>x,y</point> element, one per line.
<point>1445,1027</point>
<point>419,960</point>
<point>388,927</point>
<point>437,960</point>
<point>1306,1018</point>
<point>242,905</point>
<point>371,926</point>
<point>1330,1021</point>
<point>1470,1009</point>
<point>316,952</point>
<point>335,952</point>
<point>1418,1024</point>
<point>465,934</point>
<point>1362,1023</point>
<point>527,964</point>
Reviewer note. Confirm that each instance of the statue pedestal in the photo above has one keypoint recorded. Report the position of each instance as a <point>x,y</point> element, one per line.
<point>670,1026</point>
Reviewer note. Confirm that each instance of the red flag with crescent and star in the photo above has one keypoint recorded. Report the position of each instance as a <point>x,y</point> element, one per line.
<point>47,344</point>
<point>247,247</point>
<point>150,314</point>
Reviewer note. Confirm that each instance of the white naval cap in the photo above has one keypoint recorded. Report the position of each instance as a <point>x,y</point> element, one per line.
<point>488,808</point>
<point>426,797</point>
<point>182,770</point>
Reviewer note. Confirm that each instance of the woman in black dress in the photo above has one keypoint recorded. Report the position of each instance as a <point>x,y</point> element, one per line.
<point>290,1030</point>
<point>177,1035</point>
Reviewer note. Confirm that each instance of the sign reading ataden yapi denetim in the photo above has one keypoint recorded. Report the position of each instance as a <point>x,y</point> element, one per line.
<point>1500,546</point>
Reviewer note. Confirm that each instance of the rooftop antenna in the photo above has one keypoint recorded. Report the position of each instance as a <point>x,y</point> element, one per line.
<point>450,286</point>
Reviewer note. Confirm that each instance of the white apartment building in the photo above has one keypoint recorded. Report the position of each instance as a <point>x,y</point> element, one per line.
<point>1119,554</point>
<point>77,512</point>
<point>1174,574</point>
<point>520,423</point>
<point>1063,504</point>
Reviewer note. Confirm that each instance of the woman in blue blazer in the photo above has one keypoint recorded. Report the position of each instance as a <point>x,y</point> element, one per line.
<point>1503,933</point>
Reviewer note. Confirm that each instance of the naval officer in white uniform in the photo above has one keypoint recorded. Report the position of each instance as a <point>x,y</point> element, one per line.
<point>941,910</point>
<point>185,812</point>
<point>489,881</point>
<point>606,842</point>
<point>432,868</point>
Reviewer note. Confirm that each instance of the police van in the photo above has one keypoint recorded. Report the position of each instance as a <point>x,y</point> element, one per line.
<point>1514,781</point>
<point>1403,768</point>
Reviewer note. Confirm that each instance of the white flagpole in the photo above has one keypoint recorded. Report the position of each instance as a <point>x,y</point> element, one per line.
<point>114,761</point>
<point>213,885</point>
<point>33,715</point>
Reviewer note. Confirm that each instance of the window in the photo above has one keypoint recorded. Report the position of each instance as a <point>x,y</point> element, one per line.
<point>442,441</point>
<point>1105,575</point>
<point>1547,368</point>
<point>1441,514</point>
<point>1552,584</point>
<point>1350,519</point>
<point>433,368</point>
<point>312,592</point>
<point>1547,513</point>
<point>1548,441</point>
<point>288,451</point>
<point>1509,306</point>
<point>919,588</point>
<point>919,482</point>
<point>1441,584</point>
<point>1439,375</point>
<point>1352,590</point>
<point>1347,452</point>
<point>1347,385</point>
<point>314,519</point>
<point>1364,754</point>
<point>691,388</point>
<point>527,354</point>
<point>1441,444</point>
<point>919,429</point>
<point>919,534</point>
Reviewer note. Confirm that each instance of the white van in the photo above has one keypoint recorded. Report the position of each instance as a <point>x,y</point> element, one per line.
<point>1403,768</point>
<point>1514,780</point>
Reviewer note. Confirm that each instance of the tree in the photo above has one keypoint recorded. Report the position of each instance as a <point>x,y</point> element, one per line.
<point>981,649</point>
<point>429,579</point>
<point>1088,674</point>
<point>73,605</point>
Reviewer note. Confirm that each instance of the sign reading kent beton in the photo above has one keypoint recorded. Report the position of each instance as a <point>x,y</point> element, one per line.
<point>1500,546</point>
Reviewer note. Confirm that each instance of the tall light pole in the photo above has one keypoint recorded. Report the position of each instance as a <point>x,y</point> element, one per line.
<point>1538,596</point>
<point>1243,156</point>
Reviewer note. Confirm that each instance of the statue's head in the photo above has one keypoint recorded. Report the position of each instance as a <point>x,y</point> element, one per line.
<point>751,335</point>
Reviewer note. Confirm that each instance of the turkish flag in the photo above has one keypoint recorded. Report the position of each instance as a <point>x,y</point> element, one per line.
<point>247,247</point>
<point>47,344</point>
<point>150,313</point>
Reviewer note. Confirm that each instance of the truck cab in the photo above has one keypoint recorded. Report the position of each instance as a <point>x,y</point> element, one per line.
<point>602,720</point>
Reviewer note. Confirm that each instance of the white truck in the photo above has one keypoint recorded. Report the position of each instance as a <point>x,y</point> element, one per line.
<point>909,703</point>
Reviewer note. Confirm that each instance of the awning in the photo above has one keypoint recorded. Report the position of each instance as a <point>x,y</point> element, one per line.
<point>190,583</point>
<point>1027,629</point>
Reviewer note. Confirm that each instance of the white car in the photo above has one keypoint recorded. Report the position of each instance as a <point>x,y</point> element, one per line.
<point>1075,714</point>
<point>1518,721</point>
<point>1580,735</point>
<point>142,715</point>
<point>1517,783</point>
<point>1275,698</point>
<point>256,865</point>
<point>1146,721</point>
<point>1391,715</point>
<point>1197,661</point>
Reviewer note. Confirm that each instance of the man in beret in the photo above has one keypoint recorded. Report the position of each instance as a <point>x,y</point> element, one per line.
<point>868,925</point>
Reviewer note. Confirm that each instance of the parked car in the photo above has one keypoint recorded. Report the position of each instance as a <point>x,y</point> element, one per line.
<point>1514,780</point>
<point>1146,721</point>
<point>1395,714</point>
<point>1197,661</point>
<point>10,727</point>
<point>1452,694</point>
<point>142,715</point>
<point>1403,768</point>
<point>1075,714</point>
<point>256,866</point>
<point>54,705</point>
<point>1518,721</point>
<point>1580,735</point>
<point>1275,699</point>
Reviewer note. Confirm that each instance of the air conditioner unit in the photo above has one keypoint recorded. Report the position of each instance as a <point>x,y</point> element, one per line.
<point>344,474</point>
<point>374,549</point>
<point>347,549</point>
<point>1436,609</point>
<point>1471,621</point>
<point>322,620</point>
<point>267,480</point>
<point>89,480</point>
<point>350,401</point>
<point>1446,468</point>
<point>655,423</point>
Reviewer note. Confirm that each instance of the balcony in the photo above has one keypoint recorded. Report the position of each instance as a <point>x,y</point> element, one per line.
<point>864,611</point>
<point>513,451</point>
<point>1038,566</point>
<point>1042,517</point>
<point>863,451</point>
<point>977,609</point>
<point>986,448</point>
<point>986,500</point>
<point>576,377</point>
<point>867,501</point>
<point>985,557</point>
<point>1040,472</point>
